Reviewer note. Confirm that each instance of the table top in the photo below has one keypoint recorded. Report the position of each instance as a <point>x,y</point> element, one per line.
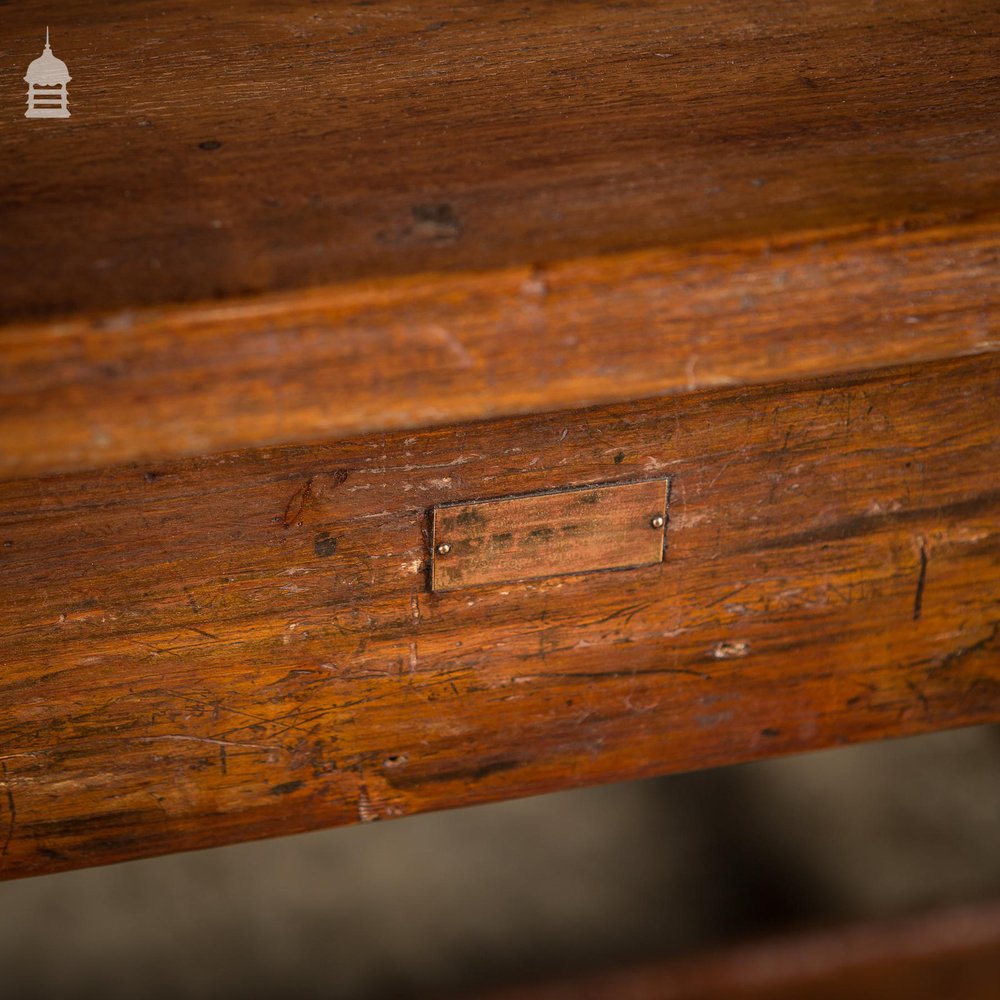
<point>438,212</point>
<point>218,151</point>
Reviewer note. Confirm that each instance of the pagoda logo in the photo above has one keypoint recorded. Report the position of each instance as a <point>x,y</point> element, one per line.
<point>47,79</point>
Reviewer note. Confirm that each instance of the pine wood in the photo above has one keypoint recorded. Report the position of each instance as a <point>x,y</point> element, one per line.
<point>280,221</point>
<point>208,650</point>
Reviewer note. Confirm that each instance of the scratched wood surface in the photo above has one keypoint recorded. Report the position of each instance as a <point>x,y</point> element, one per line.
<point>208,650</point>
<point>281,221</point>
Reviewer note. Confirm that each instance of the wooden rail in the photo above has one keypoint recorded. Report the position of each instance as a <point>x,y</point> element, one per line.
<point>222,648</point>
<point>248,340</point>
<point>953,953</point>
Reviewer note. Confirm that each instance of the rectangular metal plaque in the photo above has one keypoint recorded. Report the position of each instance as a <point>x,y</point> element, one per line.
<point>580,530</point>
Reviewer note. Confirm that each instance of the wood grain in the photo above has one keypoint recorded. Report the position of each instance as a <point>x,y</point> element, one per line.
<point>243,645</point>
<point>279,221</point>
<point>82,394</point>
<point>356,141</point>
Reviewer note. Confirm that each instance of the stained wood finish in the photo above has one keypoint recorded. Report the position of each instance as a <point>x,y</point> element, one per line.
<point>422,214</point>
<point>83,393</point>
<point>952,953</point>
<point>231,647</point>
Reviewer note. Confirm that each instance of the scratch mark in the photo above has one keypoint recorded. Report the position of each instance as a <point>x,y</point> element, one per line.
<point>383,469</point>
<point>921,697</point>
<point>296,504</point>
<point>234,711</point>
<point>689,372</point>
<point>155,650</point>
<point>726,464</point>
<point>944,662</point>
<point>26,753</point>
<point>594,675</point>
<point>918,597</point>
<point>207,635</point>
<point>207,739</point>
<point>366,813</point>
<point>452,344</point>
<point>626,613</point>
<point>159,804</point>
<point>727,596</point>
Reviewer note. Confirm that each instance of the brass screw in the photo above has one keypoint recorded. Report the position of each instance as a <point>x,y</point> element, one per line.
<point>657,522</point>
<point>443,549</point>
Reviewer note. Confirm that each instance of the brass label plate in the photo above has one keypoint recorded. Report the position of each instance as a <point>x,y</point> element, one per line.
<point>579,530</point>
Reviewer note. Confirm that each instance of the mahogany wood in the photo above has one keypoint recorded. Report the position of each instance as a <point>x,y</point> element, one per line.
<point>235,646</point>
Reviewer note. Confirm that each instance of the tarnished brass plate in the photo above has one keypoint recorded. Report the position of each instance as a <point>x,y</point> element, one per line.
<point>580,530</point>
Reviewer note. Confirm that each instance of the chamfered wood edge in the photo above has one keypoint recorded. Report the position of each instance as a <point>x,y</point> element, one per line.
<point>179,837</point>
<point>427,350</point>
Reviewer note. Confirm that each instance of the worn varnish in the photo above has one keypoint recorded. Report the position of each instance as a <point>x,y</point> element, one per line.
<point>208,650</point>
<point>281,144</point>
<point>384,223</point>
<point>280,221</point>
<point>85,393</point>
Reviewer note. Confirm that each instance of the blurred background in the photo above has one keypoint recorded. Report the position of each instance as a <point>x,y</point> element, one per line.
<point>455,902</point>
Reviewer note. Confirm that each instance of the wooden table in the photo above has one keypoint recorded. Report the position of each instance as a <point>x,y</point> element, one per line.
<point>293,275</point>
